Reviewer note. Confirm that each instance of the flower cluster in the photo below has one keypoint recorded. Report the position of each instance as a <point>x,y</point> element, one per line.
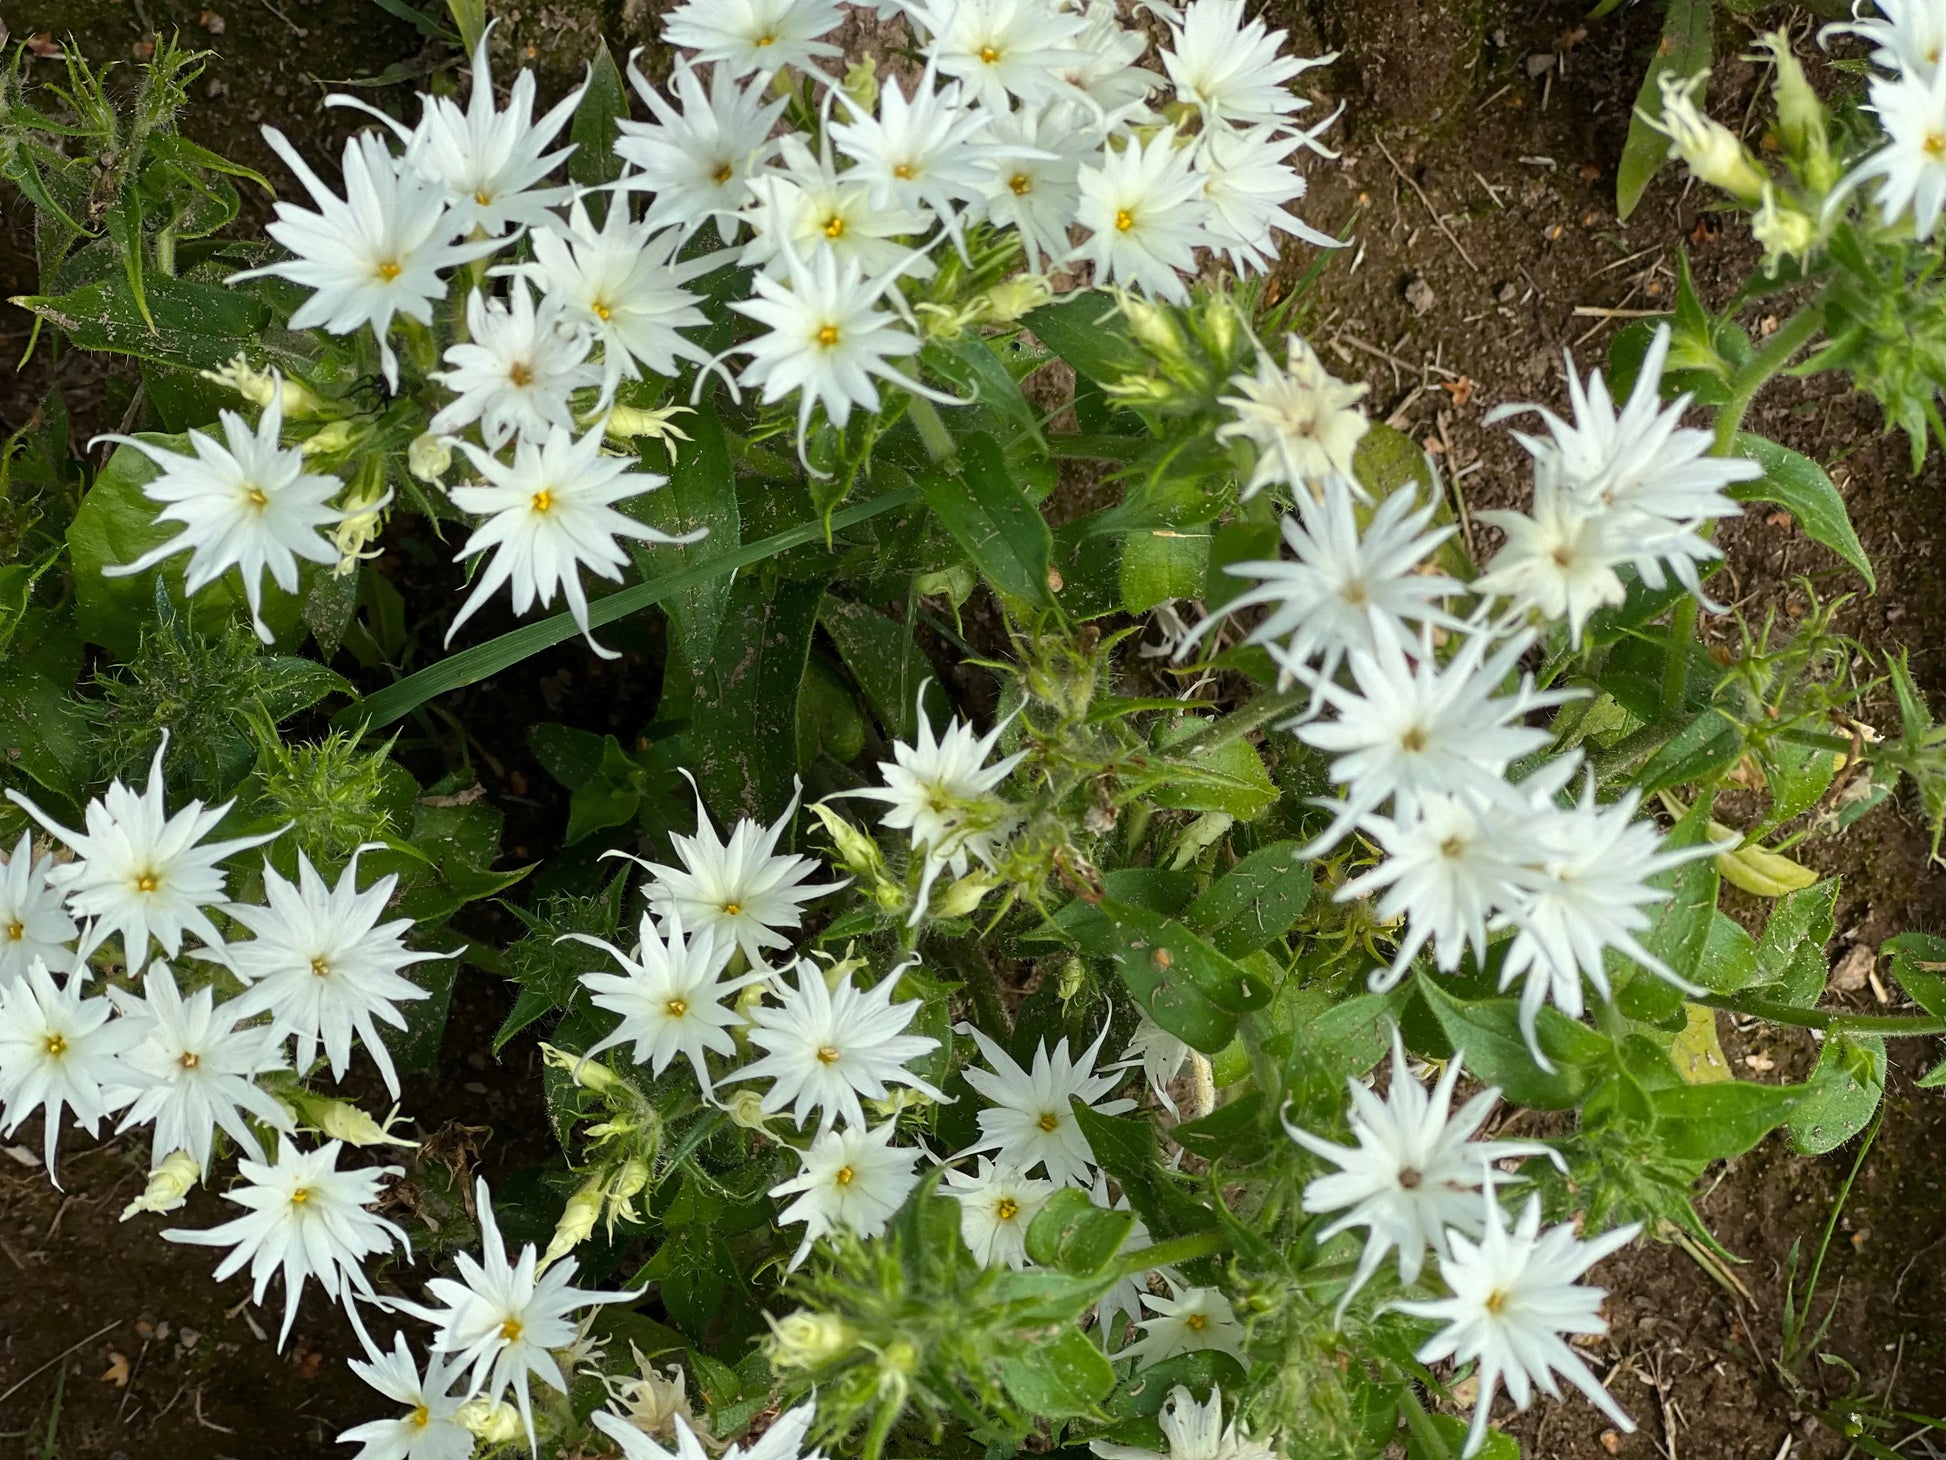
<point>1909,41</point>
<point>1422,739</point>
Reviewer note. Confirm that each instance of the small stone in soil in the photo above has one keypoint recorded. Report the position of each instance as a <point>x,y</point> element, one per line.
<point>1419,295</point>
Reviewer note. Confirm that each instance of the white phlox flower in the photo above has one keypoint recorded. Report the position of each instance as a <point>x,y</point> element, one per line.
<point>742,888</point>
<point>1158,1053</point>
<point>1194,1319</point>
<point>1247,182</point>
<point>1029,1120</point>
<point>1232,68</point>
<point>1559,561</point>
<point>1036,191</point>
<point>1003,51</point>
<point>1513,1295</point>
<point>1303,420</point>
<point>1124,1298</point>
<point>1107,74</point>
<point>324,967</point>
<point>850,1180</point>
<point>515,371</point>
<point>428,1430</point>
<point>826,339</point>
<point>1194,1432</point>
<point>827,1044</point>
<point>1146,216</point>
<point>376,252</point>
<point>502,1319</point>
<point>638,1445</point>
<point>1413,727</point>
<point>997,1204</point>
<point>245,503</point>
<point>1344,587</point>
<point>942,793</point>
<point>489,162</point>
<point>33,923</point>
<point>1415,1173</point>
<point>306,1219</point>
<point>760,37</point>
<point>549,514</point>
<point>1911,166</point>
<point>60,1051</point>
<point>697,159</point>
<point>1595,867</point>
<point>199,1070</point>
<point>140,872</point>
<point>670,995</point>
<point>1452,861</point>
<point>1909,35</point>
<point>783,1440</point>
<point>808,210</point>
<point>620,286</point>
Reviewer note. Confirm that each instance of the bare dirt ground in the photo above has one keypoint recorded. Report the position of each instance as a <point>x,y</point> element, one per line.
<point>1478,183</point>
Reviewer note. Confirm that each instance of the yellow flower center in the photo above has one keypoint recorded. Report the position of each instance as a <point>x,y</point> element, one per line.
<point>255,497</point>
<point>828,335</point>
<point>1124,220</point>
<point>732,909</point>
<point>1021,184</point>
<point>147,882</point>
<point>521,373</point>
<point>677,1008</point>
<point>56,1044</point>
<point>388,270</point>
<point>511,1330</point>
<point>989,54</point>
<point>1935,144</point>
<point>190,1059</point>
<point>1196,1322</point>
<point>482,196</point>
<point>724,173</point>
<point>905,172</point>
<point>765,40</point>
<point>1496,1303</point>
<point>16,930</point>
<point>843,1178</point>
<point>1006,1209</point>
<point>300,1196</point>
<point>421,1417</point>
<point>834,227</point>
<point>827,1054</point>
<point>543,499</point>
<point>1414,740</point>
<point>602,311</point>
<point>1050,1122</point>
<point>320,967</point>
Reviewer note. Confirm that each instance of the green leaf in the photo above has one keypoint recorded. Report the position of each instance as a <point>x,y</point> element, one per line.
<point>197,326</point>
<point>997,527</point>
<point>1255,901</point>
<point>1729,960</point>
<point>469,18</point>
<point>115,525</point>
<point>1843,1093</point>
<point>1441,1437</point>
<point>1702,749</point>
<point>1790,955</point>
<point>42,726</point>
<point>1684,924</point>
<point>1188,987</point>
<point>1229,777</point>
<point>573,757</point>
<point>1088,332</point>
<point>1236,542</point>
<point>889,668</point>
<point>1801,487</point>
<point>1386,461</point>
<point>1129,1152</point>
<point>1487,1032</point>
<point>700,495</point>
<point>1066,1376</point>
<point>1073,1234</point>
<point>1686,47</point>
<point>594,130</point>
<point>1160,565</point>
<point>1919,965</point>
<point>482,661</point>
<point>1719,1120</point>
<point>747,697</point>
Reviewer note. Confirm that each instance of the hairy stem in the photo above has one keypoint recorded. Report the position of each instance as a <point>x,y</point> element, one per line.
<point>1793,335</point>
<point>1894,1026</point>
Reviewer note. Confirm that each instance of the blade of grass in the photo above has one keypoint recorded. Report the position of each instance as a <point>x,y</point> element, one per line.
<point>482,661</point>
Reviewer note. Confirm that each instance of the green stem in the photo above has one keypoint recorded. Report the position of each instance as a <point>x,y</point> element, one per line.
<point>1675,671</point>
<point>1259,711</point>
<point>1831,1227</point>
<point>1894,1026</point>
<point>932,431</point>
<point>1175,1251</point>
<point>1793,335</point>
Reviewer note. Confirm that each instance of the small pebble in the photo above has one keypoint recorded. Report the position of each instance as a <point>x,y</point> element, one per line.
<point>1419,295</point>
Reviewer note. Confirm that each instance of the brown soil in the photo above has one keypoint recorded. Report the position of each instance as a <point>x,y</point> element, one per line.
<point>1505,134</point>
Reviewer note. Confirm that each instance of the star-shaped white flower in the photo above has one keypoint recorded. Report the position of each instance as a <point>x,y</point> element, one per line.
<point>1194,1319</point>
<point>1513,1295</point>
<point>200,1070</point>
<point>670,996</point>
<point>516,370</point>
<point>550,514</point>
<point>1030,1121</point>
<point>306,1219</point>
<point>140,872</point>
<point>1232,68</point>
<point>826,1045</point>
<point>851,1180</point>
<point>1194,1432</point>
<point>1146,216</point>
<point>1303,420</point>
<point>33,922</point>
<point>997,1204</point>
<point>324,967</point>
<point>248,505</point>
<point>428,1430</point>
<point>760,36</point>
<point>697,160</point>
<point>60,1051</point>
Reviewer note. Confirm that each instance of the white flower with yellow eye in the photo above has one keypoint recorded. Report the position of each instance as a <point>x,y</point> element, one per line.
<point>1146,216</point>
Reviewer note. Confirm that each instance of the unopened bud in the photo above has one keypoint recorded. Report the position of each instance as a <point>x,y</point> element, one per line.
<point>1008,300</point>
<point>1154,328</point>
<point>963,896</point>
<point>1143,390</point>
<point>622,1190</point>
<point>1223,330</point>
<point>897,1362</point>
<point>332,437</point>
<point>493,1420</point>
<point>1711,150</point>
<point>429,457</point>
<point>589,1074</point>
<point>577,1222</point>
<point>1785,232</point>
<point>1801,117</point>
<point>260,387</point>
<point>861,82</point>
<point>626,423</point>
<point>807,1340</point>
<point>340,1120</point>
<point>858,854</point>
<point>746,1108</point>
<point>954,584</point>
<point>169,1185</point>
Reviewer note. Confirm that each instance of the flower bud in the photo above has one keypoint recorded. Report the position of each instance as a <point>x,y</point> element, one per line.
<point>494,1421</point>
<point>1711,150</point>
<point>746,1108</point>
<point>807,1340</point>
<point>1223,329</point>
<point>577,1222</point>
<point>861,83</point>
<point>622,1189</point>
<point>625,423</point>
<point>1144,390</point>
<point>1154,328</point>
<point>963,896</point>
<point>587,1073</point>
<point>334,436</point>
<point>1801,117</point>
<point>169,1185</point>
<point>260,387</point>
<point>1008,300</point>
<point>858,854</point>
<point>340,1120</point>
<point>954,584</point>
<point>429,457</point>
<point>1785,232</point>
<point>897,1362</point>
